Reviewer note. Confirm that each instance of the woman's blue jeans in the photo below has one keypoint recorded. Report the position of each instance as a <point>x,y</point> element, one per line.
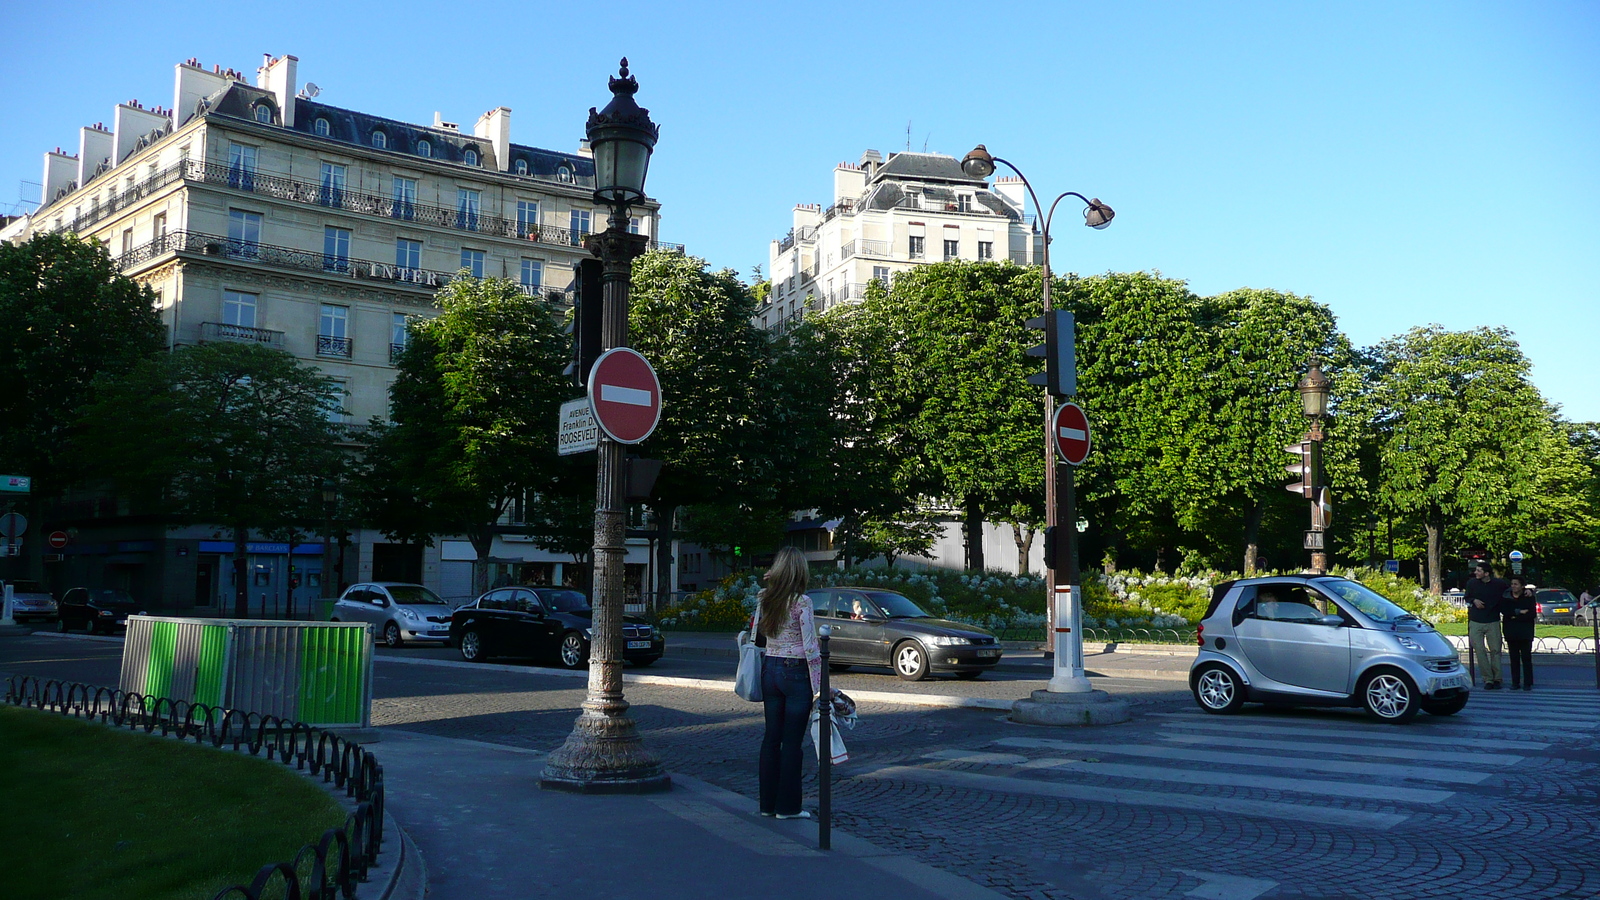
<point>786,692</point>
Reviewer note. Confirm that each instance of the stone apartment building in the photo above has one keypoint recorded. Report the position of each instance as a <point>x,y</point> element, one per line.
<point>257,212</point>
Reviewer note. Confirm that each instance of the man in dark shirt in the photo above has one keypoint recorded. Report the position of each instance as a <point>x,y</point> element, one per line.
<point>1484,594</point>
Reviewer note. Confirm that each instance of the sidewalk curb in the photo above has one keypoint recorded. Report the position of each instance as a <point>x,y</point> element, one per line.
<point>69,636</point>
<point>399,863</point>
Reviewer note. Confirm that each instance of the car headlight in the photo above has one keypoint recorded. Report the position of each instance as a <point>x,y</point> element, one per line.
<point>655,633</point>
<point>409,614</point>
<point>948,640</point>
<point>1409,644</point>
<point>588,634</point>
<point>106,612</point>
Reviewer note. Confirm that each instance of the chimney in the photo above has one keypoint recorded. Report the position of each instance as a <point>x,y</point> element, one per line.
<point>1012,190</point>
<point>192,84</point>
<point>278,76</point>
<point>495,125</point>
<point>94,149</point>
<point>131,122</point>
<point>848,182</point>
<point>59,169</point>
<point>440,123</point>
<point>870,161</point>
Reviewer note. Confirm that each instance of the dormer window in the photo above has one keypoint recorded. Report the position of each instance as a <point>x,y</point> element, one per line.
<point>564,174</point>
<point>321,127</point>
<point>522,167</point>
<point>424,148</point>
<point>380,140</point>
<point>470,157</point>
<point>263,114</point>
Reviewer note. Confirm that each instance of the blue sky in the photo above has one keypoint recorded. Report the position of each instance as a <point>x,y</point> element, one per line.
<point>1405,163</point>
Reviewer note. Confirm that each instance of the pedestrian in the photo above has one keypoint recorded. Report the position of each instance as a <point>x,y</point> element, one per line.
<point>791,675</point>
<point>1520,611</point>
<point>1484,593</point>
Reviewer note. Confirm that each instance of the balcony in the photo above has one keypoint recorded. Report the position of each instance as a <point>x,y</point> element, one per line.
<point>313,193</point>
<point>130,196</point>
<point>864,248</point>
<point>214,245</point>
<point>211,332</point>
<point>394,352</point>
<point>328,345</point>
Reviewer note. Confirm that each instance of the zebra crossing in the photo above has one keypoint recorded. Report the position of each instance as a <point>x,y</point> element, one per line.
<point>1334,767</point>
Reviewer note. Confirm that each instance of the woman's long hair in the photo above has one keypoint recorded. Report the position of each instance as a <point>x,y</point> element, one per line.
<point>786,581</point>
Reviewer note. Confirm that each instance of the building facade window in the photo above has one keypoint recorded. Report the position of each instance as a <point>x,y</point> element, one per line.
<point>424,148</point>
<point>986,249</point>
<point>952,249</point>
<point>380,140</point>
<point>472,261</point>
<point>915,247</point>
<point>321,127</point>
<point>241,166</point>
<point>405,198</point>
<point>470,157</point>
<point>522,167</point>
<point>468,202</point>
<point>239,309</point>
<point>527,218</point>
<point>332,193</point>
<point>127,240</point>
<point>880,274</point>
<point>158,227</point>
<point>635,225</point>
<point>244,233</point>
<point>336,249</point>
<point>580,226</point>
<point>263,114</point>
<point>532,276</point>
<point>407,253</point>
<point>397,334</point>
<point>564,174</point>
<point>333,332</point>
<point>964,203</point>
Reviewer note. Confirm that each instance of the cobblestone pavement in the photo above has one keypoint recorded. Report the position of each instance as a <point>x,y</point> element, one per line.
<point>1499,800</point>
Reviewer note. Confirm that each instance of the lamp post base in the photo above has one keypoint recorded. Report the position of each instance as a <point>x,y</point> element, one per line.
<point>604,755</point>
<point>1050,708</point>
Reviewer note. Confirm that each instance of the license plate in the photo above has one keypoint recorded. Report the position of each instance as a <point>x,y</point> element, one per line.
<point>440,632</point>
<point>989,651</point>
<point>1458,681</point>
<point>1562,609</point>
<point>638,645</point>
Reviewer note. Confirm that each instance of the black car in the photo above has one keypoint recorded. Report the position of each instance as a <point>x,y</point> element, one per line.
<point>877,627</point>
<point>96,610</point>
<point>547,623</point>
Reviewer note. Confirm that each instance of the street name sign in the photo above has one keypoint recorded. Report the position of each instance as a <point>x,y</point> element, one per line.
<point>578,432</point>
<point>625,395</point>
<point>1071,430</point>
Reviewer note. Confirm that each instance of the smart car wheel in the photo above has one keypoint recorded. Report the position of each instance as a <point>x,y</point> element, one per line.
<point>1447,707</point>
<point>910,662</point>
<point>1217,690</point>
<point>472,646</point>
<point>1390,696</point>
<point>391,635</point>
<point>574,651</point>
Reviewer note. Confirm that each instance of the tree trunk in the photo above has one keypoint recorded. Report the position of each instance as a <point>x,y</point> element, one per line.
<point>1252,537</point>
<point>664,585</point>
<point>1024,539</point>
<point>1161,558</point>
<point>482,545</point>
<point>241,574</point>
<point>974,529</point>
<point>1433,522</point>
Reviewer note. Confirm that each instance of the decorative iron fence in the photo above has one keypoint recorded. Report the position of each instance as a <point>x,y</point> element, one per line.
<point>340,858</point>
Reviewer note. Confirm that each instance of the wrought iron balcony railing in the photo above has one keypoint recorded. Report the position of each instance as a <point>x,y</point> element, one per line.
<point>328,345</point>
<point>281,257</point>
<point>98,209</point>
<point>395,350</point>
<point>241,334</point>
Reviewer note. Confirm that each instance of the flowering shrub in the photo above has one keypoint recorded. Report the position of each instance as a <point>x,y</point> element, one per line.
<point>1408,595</point>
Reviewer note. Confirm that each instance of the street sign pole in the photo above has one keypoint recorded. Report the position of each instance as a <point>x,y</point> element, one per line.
<point>1070,445</point>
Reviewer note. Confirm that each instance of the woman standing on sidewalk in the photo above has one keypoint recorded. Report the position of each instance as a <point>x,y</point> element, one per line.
<point>1520,612</point>
<point>791,673</point>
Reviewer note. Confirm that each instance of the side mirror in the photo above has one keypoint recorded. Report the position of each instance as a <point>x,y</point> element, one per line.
<point>1331,621</point>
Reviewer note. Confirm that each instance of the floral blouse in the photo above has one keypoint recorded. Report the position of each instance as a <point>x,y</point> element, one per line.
<point>797,639</point>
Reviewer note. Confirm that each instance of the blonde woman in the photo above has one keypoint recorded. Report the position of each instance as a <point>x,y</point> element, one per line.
<point>791,673</point>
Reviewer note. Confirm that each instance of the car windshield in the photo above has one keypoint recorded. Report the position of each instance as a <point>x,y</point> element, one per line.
<point>107,596</point>
<point>896,606</point>
<point>564,601</point>
<point>1370,603</point>
<point>413,595</point>
<point>1556,595</point>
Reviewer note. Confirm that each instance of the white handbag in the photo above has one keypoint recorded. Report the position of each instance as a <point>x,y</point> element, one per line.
<point>747,681</point>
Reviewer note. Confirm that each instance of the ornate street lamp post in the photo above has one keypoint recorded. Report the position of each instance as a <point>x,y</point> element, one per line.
<point>330,497</point>
<point>1060,499</point>
<point>604,754</point>
<point>1314,388</point>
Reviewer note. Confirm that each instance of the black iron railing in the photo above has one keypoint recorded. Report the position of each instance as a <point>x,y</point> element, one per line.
<point>281,257</point>
<point>328,345</point>
<point>99,209</point>
<point>338,861</point>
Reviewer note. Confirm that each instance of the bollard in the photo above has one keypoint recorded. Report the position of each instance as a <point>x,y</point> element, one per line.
<point>1472,658</point>
<point>824,747</point>
<point>1594,619</point>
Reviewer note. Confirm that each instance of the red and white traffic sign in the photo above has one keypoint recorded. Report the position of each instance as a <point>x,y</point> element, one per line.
<point>58,539</point>
<point>625,395</point>
<point>1071,429</point>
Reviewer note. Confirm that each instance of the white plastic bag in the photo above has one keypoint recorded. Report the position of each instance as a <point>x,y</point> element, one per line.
<point>839,753</point>
<point>747,681</point>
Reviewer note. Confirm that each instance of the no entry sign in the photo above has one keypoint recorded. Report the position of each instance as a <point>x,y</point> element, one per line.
<point>58,539</point>
<point>625,395</point>
<point>1071,430</point>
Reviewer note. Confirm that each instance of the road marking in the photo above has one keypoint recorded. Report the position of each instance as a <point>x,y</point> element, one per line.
<point>1219,886</point>
<point>616,393</point>
<point>733,828</point>
<point>1321,747</point>
<point>1261,761</point>
<point>1320,815</point>
<point>978,757</point>
<point>1393,736</point>
<point>1348,789</point>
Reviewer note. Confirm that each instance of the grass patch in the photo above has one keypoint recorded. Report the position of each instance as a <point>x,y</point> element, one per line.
<point>1549,631</point>
<point>96,813</point>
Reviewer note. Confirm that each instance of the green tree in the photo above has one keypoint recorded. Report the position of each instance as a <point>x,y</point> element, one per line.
<point>473,409</point>
<point>67,317</point>
<point>237,435</point>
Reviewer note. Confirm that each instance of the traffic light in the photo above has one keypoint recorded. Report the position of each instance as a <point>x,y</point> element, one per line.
<point>587,307</point>
<point>1301,469</point>
<point>1060,375</point>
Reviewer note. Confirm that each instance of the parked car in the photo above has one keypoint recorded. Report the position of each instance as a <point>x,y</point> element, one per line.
<point>31,602</point>
<point>96,610</point>
<point>398,612</point>
<point>1585,615</point>
<point>876,627</point>
<point>549,623</point>
<point>1556,606</point>
<point>1322,641</point>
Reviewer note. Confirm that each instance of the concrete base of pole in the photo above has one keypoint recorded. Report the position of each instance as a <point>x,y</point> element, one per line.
<point>1050,708</point>
<point>1069,684</point>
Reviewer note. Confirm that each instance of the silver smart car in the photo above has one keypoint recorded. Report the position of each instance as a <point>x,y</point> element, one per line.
<point>1322,641</point>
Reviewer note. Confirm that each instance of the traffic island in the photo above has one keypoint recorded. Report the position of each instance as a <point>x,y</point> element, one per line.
<point>1075,708</point>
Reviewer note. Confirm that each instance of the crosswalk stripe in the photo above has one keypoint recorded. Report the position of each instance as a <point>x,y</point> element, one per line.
<point>1468,722</point>
<point>1392,735</point>
<point>1260,761</point>
<point>1582,723</point>
<point>1322,747</point>
<point>1323,815</point>
<point>1348,789</point>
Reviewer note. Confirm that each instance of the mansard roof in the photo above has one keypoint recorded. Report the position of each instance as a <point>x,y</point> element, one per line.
<point>924,167</point>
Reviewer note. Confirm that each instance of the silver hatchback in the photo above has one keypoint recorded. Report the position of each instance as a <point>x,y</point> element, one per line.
<point>399,613</point>
<point>1322,641</point>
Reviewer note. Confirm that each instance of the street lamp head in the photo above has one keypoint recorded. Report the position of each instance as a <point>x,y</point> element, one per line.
<point>978,163</point>
<point>330,491</point>
<point>622,138</point>
<point>1097,215</point>
<point>1314,390</point>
